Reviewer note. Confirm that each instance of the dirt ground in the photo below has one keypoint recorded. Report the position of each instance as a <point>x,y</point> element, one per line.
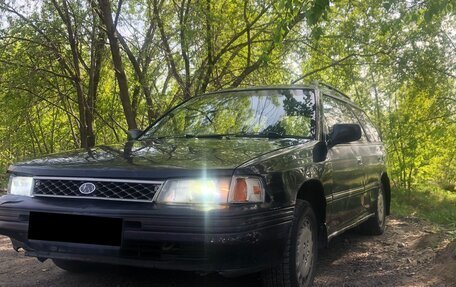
<point>412,252</point>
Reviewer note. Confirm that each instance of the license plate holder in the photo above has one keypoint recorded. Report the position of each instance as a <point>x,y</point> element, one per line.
<point>75,228</point>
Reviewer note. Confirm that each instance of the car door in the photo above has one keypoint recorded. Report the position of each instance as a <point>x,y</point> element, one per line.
<point>373,156</point>
<point>347,185</point>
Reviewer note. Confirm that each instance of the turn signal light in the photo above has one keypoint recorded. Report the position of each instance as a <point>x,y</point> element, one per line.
<point>247,189</point>
<point>240,190</point>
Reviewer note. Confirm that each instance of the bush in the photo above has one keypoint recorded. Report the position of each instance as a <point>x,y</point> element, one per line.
<point>429,202</point>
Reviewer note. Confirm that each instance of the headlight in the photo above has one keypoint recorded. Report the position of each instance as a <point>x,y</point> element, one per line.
<point>20,185</point>
<point>212,190</point>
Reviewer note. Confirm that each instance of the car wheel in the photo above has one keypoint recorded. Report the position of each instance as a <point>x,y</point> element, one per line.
<point>376,224</point>
<point>73,266</point>
<point>300,255</point>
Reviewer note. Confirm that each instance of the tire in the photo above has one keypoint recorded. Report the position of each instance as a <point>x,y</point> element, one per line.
<point>73,266</point>
<point>376,224</point>
<point>302,240</point>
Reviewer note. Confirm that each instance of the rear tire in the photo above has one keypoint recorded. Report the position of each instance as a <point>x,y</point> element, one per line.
<point>300,255</point>
<point>376,224</point>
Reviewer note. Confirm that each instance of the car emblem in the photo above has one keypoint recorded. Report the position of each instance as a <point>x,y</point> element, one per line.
<point>87,188</point>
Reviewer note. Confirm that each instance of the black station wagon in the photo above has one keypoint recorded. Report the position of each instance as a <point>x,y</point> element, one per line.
<point>234,182</point>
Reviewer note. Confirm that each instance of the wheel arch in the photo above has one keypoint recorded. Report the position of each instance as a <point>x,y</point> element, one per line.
<point>312,191</point>
<point>384,179</point>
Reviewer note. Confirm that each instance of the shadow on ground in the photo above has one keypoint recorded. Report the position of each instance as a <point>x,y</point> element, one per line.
<point>410,253</point>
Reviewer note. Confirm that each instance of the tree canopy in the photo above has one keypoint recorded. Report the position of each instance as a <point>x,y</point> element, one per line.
<point>77,73</point>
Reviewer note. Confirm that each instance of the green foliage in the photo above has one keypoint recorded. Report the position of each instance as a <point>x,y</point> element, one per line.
<point>3,184</point>
<point>434,204</point>
<point>396,59</point>
<point>59,89</point>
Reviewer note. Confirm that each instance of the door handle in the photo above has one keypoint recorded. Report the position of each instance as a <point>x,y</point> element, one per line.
<point>359,159</point>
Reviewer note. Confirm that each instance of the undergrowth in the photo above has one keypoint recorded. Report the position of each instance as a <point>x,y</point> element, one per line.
<point>429,202</point>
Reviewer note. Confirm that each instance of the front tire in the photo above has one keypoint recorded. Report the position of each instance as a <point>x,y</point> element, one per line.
<point>73,266</point>
<point>300,255</point>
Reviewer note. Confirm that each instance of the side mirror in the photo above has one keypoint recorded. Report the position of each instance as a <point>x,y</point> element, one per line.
<point>133,134</point>
<point>344,133</point>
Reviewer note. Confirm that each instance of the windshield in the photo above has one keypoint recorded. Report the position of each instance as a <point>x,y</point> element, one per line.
<point>261,113</point>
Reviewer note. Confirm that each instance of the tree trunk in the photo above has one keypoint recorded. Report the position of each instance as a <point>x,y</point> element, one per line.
<point>140,73</point>
<point>85,119</point>
<point>106,18</point>
<point>96,59</point>
<point>183,16</point>
<point>377,107</point>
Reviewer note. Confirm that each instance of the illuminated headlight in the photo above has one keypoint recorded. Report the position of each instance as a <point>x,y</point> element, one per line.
<point>212,191</point>
<point>20,185</point>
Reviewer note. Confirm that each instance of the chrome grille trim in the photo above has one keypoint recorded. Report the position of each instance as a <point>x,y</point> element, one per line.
<point>99,179</point>
<point>145,195</point>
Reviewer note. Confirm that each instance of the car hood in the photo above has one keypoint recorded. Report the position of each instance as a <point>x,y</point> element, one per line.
<point>154,158</point>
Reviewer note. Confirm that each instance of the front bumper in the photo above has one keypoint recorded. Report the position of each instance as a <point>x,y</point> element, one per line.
<point>231,241</point>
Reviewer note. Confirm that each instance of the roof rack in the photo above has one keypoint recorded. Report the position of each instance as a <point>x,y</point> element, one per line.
<point>318,83</point>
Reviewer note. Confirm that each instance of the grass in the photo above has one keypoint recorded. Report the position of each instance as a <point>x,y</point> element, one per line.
<point>432,203</point>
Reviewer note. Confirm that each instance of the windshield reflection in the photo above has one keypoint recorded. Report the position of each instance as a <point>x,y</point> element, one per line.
<point>263,113</point>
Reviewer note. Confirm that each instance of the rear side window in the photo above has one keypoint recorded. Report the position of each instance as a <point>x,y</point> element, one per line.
<point>371,130</point>
<point>337,112</point>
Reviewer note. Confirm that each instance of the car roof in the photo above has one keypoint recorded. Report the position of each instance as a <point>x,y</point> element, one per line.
<point>262,88</point>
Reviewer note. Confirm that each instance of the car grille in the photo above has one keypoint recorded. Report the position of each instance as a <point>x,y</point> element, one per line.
<point>104,188</point>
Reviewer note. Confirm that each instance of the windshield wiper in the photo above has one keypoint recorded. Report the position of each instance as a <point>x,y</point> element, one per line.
<point>209,136</point>
<point>233,135</point>
<point>269,135</point>
<point>272,135</point>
